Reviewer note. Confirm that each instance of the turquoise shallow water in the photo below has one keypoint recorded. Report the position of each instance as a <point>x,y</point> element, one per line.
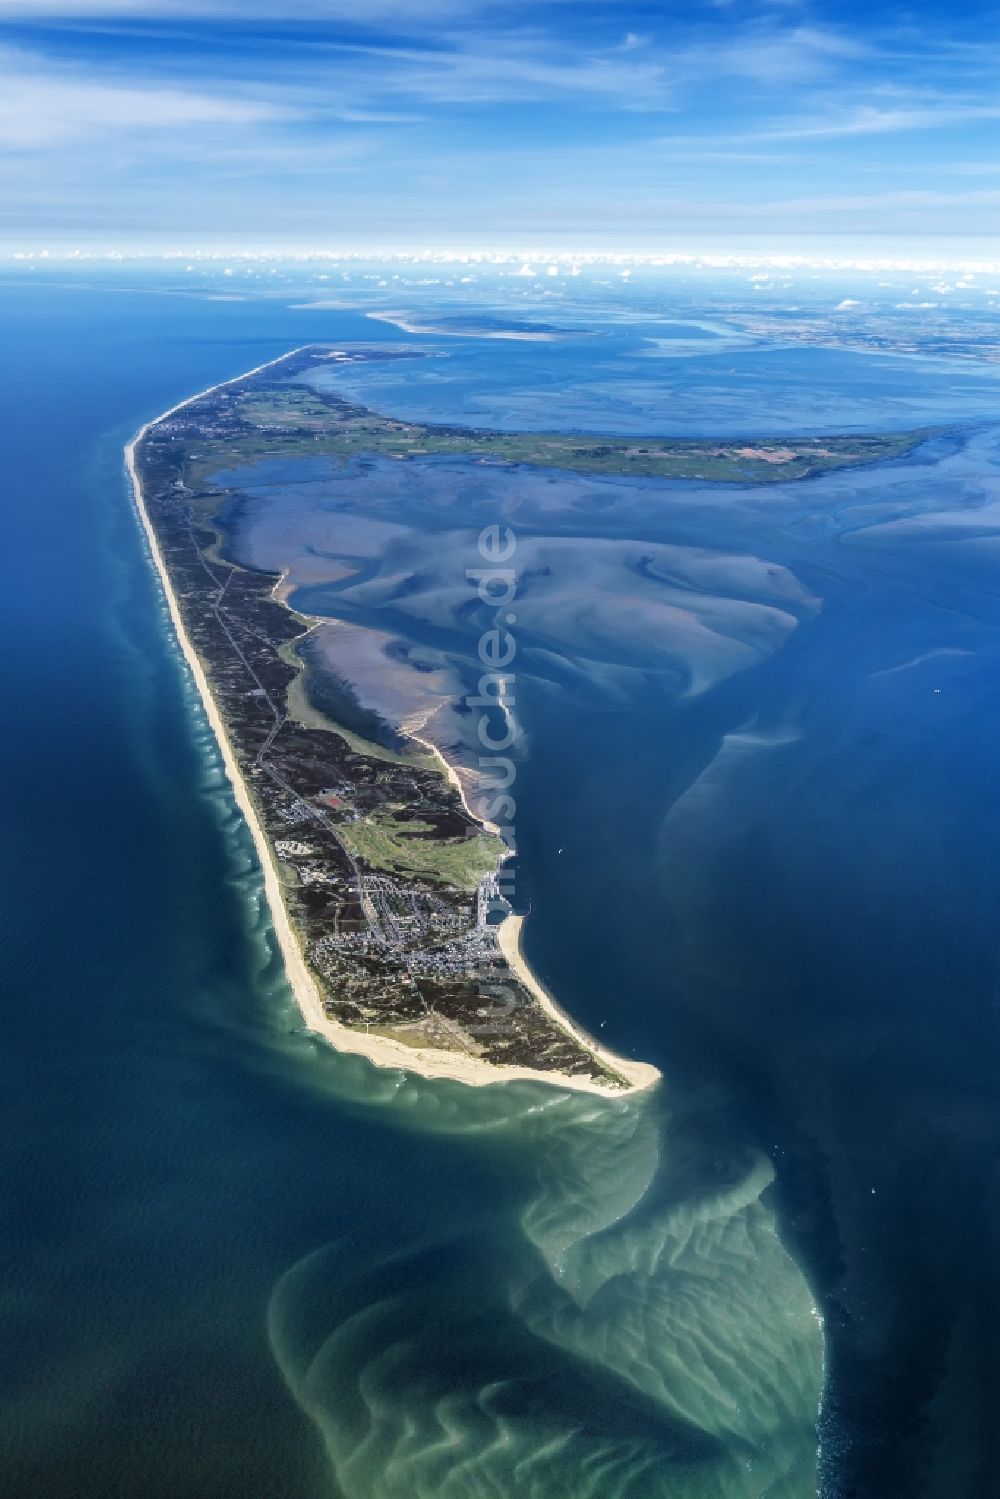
<point>237,1264</point>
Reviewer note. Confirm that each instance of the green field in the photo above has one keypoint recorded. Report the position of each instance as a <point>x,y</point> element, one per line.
<point>383,843</point>
<point>290,420</point>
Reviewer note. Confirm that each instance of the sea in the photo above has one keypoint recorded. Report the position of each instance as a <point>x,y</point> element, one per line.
<point>758,844</point>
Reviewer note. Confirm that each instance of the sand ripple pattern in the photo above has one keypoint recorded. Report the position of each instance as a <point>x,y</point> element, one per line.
<point>629,1333</point>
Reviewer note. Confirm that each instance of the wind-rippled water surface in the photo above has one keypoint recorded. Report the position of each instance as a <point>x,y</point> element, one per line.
<point>758,830</point>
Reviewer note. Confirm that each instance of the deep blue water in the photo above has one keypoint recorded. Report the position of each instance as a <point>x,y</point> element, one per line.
<point>236,1264</point>
<point>168,1151</point>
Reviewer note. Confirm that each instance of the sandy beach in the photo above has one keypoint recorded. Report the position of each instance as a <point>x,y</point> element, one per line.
<point>401,321</point>
<point>451,773</point>
<point>637,1074</point>
<point>382,1051</point>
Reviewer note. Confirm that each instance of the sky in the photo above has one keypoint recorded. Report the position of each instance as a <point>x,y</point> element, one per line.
<point>335,124</point>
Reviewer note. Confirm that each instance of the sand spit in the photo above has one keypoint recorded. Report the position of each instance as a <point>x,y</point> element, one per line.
<point>382,1051</point>
<point>404,322</point>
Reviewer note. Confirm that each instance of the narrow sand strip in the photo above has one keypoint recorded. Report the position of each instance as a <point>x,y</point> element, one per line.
<point>382,1051</point>
<point>510,933</point>
<point>401,320</point>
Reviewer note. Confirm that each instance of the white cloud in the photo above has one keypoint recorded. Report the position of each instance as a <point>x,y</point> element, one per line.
<point>507,68</point>
<point>257,132</point>
<point>392,13</point>
<point>41,106</point>
<point>875,120</point>
<point>775,55</point>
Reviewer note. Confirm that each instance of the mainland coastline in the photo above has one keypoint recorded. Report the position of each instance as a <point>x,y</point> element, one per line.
<point>610,1075</point>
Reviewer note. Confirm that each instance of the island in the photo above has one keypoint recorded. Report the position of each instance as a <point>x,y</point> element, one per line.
<point>384,887</point>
